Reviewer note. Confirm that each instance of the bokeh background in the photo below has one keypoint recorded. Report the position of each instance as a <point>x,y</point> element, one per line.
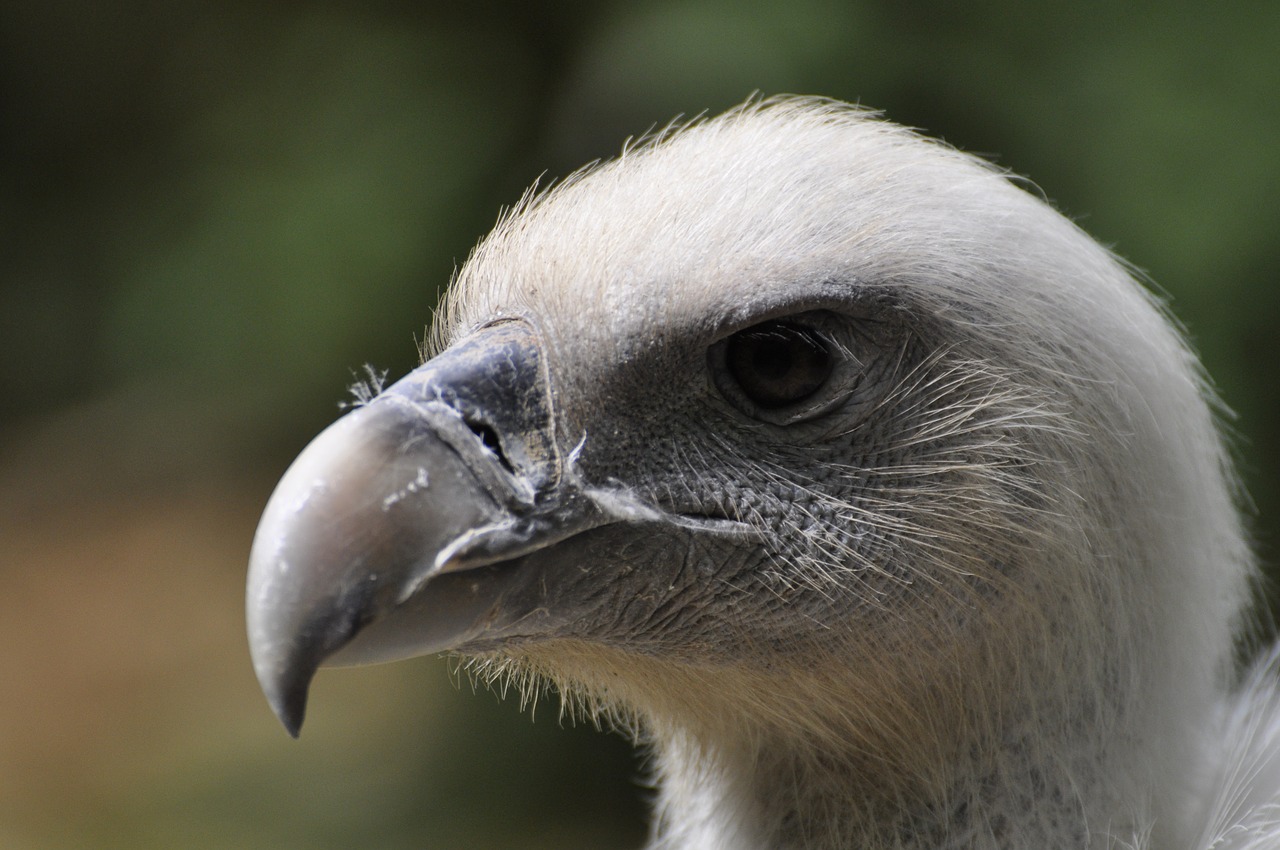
<point>213,212</point>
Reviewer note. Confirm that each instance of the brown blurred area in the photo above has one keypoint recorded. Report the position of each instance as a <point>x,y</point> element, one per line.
<point>212,214</point>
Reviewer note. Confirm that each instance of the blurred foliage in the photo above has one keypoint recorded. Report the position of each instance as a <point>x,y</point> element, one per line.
<point>212,212</point>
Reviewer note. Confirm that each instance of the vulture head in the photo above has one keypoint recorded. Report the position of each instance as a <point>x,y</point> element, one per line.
<point>873,495</point>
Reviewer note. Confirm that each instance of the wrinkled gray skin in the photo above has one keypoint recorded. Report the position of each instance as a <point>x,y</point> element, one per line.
<point>974,590</point>
<point>672,560</point>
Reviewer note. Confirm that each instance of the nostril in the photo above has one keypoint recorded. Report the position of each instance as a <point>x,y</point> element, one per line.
<point>489,438</point>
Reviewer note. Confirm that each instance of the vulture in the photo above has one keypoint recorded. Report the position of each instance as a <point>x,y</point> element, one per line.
<point>884,506</point>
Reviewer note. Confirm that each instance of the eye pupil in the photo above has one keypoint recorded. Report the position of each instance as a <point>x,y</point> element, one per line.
<point>777,364</point>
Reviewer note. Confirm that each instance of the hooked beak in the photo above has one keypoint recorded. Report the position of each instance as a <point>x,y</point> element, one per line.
<point>394,532</point>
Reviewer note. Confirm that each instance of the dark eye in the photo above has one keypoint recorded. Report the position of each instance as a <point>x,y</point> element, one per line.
<point>778,364</point>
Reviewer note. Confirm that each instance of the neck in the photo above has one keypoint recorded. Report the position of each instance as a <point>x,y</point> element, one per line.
<point>753,794</point>
<point>977,752</point>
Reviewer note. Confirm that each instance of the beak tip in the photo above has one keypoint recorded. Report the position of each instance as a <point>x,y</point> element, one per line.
<point>287,696</point>
<point>284,669</point>
<point>292,720</point>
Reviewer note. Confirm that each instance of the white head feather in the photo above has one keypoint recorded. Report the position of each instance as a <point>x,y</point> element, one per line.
<point>1068,473</point>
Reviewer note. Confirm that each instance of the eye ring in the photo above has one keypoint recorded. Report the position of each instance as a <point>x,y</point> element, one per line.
<point>795,369</point>
<point>778,364</point>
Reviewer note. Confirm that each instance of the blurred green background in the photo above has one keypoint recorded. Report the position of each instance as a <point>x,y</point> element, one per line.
<point>211,213</point>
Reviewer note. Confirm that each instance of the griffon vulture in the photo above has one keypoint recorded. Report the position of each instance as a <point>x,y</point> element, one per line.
<point>875,497</point>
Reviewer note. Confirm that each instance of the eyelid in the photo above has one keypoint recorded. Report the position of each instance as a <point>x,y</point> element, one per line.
<point>843,298</point>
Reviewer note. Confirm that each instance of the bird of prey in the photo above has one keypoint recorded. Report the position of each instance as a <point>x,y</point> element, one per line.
<point>878,500</point>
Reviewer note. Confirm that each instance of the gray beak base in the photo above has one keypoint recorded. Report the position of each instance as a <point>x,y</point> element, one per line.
<point>384,537</point>
<point>364,520</point>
